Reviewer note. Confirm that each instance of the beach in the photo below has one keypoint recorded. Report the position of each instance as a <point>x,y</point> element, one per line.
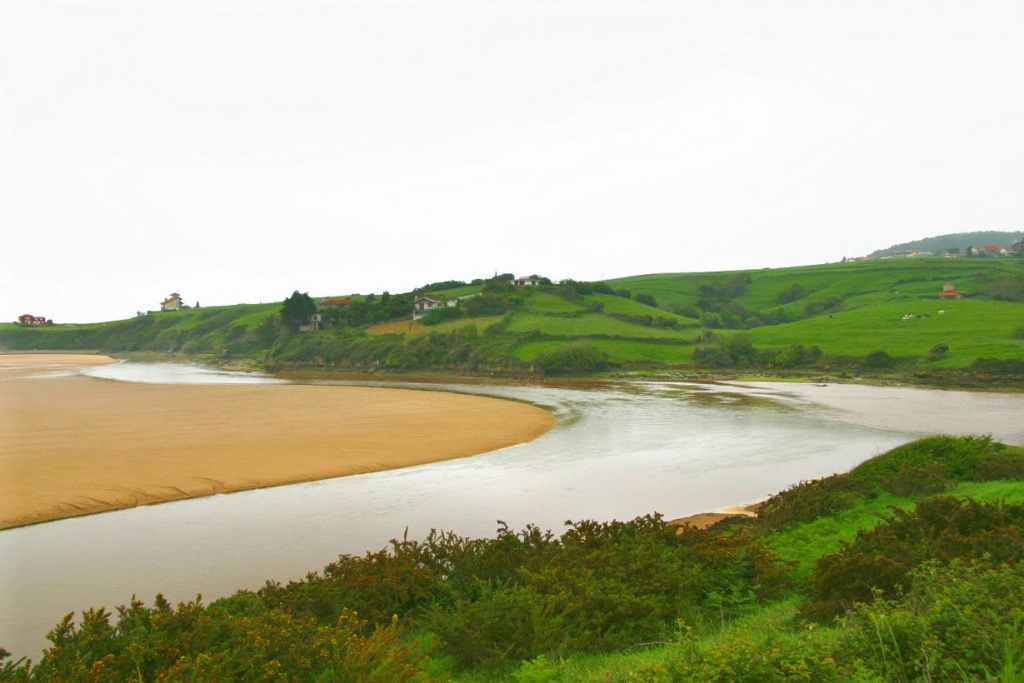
<point>72,445</point>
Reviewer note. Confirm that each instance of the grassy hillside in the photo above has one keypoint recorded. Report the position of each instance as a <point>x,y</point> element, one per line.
<point>865,317</point>
<point>906,568</point>
<point>221,330</point>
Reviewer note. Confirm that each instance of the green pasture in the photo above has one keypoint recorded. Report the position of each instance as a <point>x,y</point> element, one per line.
<point>971,328</point>
<point>463,324</point>
<point>620,305</point>
<point>916,277</point>
<point>589,324</point>
<point>543,302</point>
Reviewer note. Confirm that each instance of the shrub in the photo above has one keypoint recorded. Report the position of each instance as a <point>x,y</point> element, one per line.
<point>796,291</point>
<point>485,304</point>
<point>880,560</point>
<point>877,360</point>
<point>236,640</point>
<point>962,621</point>
<point>795,355</point>
<point>810,500</point>
<point>762,654</point>
<point>443,314</point>
<point>938,461</point>
<point>997,366</point>
<point>579,357</point>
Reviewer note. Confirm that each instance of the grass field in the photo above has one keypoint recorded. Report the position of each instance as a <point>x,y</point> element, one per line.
<point>971,328</point>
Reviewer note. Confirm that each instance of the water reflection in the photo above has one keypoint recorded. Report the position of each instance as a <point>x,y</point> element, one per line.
<point>618,451</point>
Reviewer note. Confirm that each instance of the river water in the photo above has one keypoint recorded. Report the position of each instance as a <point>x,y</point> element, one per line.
<point>619,450</point>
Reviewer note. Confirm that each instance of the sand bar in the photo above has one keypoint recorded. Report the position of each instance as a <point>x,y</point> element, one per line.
<point>73,445</point>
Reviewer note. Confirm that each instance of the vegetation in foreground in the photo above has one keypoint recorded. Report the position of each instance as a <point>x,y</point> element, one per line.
<point>875,319</point>
<point>929,591</point>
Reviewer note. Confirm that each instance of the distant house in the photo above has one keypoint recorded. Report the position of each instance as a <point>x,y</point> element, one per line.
<point>949,292</point>
<point>424,304</point>
<point>1017,247</point>
<point>29,319</point>
<point>990,250</point>
<point>525,282</point>
<point>171,303</point>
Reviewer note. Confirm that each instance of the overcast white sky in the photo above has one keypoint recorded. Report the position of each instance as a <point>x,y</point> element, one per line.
<point>234,151</point>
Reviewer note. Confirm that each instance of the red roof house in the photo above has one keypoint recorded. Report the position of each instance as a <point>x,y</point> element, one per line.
<point>949,292</point>
<point>29,319</point>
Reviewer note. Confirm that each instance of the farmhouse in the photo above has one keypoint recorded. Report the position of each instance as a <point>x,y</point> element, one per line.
<point>525,282</point>
<point>318,321</point>
<point>424,304</point>
<point>949,292</point>
<point>171,303</point>
<point>29,319</point>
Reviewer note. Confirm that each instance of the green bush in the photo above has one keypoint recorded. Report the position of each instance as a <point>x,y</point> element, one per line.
<point>880,560</point>
<point>877,360</point>
<point>997,366</point>
<point>961,621</point>
<point>235,640</point>
<point>578,357</point>
<point>934,463</point>
<point>442,315</point>
<point>760,654</point>
<point>809,500</point>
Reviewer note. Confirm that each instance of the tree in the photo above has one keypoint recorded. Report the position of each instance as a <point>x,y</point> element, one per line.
<point>268,331</point>
<point>297,310</point>
<point>646,300</point>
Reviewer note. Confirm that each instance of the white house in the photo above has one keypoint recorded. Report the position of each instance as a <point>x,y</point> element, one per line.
<point>425,303</point>
<point>525,282</point>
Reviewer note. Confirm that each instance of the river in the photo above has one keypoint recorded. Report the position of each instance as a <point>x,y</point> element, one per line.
<point>619,450</point>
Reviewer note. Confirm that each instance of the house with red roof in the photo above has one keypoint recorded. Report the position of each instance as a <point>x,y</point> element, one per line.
<point>949,292</point>
<point>29,319</point>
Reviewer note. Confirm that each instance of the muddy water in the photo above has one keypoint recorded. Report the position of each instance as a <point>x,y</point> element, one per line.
<point>619,450</point>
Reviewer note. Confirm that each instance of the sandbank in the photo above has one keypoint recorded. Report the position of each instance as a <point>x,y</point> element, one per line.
<point>72,445</point>
<point>703,520</point>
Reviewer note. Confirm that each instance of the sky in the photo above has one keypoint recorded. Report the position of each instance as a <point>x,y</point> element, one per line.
<point>238,150</point>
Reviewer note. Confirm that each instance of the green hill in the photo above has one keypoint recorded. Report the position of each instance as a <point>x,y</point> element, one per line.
<point>859,317</point>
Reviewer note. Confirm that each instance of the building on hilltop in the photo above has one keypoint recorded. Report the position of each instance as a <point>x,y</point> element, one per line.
<point>172,303</point>
<point>29,319</point>
<point>525,282</point>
